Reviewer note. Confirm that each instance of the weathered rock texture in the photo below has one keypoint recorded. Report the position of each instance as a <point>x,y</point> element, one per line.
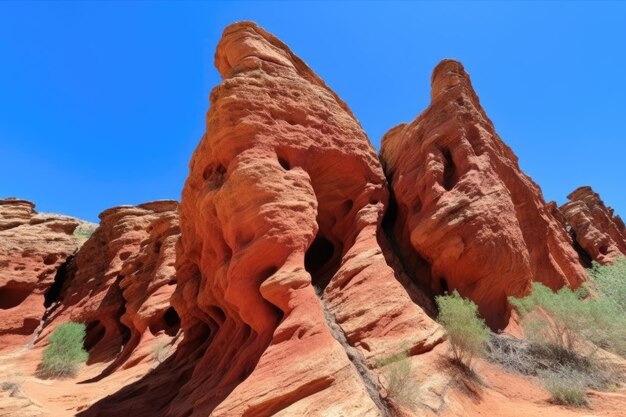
<point>598,231</point>
<point>285,297</point>
<point>120,282</point>
<point>467,217</point>
<point>33,247</point>
<point>284,199</point>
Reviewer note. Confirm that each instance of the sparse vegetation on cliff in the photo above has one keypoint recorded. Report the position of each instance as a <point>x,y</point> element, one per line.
<point>610,280</point>
<point>467,333</point>
<point>565,329</point>
<point>402,387</point>
<point>572,321</point>
<point>65,352</point>
<point>566,386</point>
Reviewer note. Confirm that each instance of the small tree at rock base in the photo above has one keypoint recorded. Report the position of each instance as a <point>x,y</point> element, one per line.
<point>65,352</point>
<point>467,333</point>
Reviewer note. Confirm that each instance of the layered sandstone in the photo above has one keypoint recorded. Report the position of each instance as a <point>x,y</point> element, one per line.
<point>467,217</point>
<point>280,252</point>
<point>120,282</point>
<point>598,231</point>
<point>285,298</point>
<point>33,248</point>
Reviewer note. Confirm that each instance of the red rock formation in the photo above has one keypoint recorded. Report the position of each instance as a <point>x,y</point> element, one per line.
<point>121,280</point>
<point>594,226</point>
<point>33,246</point>
<point>285,297</point>
<point>468,218</point>
<point>283,200</point>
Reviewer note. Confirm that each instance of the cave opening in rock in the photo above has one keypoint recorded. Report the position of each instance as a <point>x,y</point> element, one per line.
<point>583,256</point>
<point>449,170</point>
<point>169,323</point>
<point>603,249</point>
<point>12,297</point>
<point>443,286</point>
<point>170,317</point>
<point>94,334</point>
<point>54,292</point>
<point>50,259</point>
<point>317,261</point>
<point>284,163</point>
<point>391,214</point>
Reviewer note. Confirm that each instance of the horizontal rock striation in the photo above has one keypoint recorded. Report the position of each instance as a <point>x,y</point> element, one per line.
<point>120,282</point>
<point>33,249</point>
<point>597,230</point>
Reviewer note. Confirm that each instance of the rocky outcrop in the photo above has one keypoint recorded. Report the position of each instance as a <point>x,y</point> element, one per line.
<point>33,249</point>
<point>280,255</point>
<point>120,282</point>
<point>467,218</point>
<point>597,230</point>
<point>285,297</point>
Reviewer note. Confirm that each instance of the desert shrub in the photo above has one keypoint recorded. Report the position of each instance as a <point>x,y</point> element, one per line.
<point>566,386</point>
<point>13,385</point>
<point>564,330</point>
<point>566,320</point>
<point>467,333</point>
<point>84,231</point>
<point>536,359</point>
<point>610,280</point>
<point>65,352</point>
<point>402,387</point>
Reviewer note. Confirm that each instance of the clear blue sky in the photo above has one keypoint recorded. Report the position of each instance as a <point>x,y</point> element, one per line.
<point>102,104</point>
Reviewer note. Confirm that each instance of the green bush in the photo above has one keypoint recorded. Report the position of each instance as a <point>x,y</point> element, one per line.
<point>401,385</point>
<point>566,386</point>
<point>553,318</point>
<point>467,333</point>
<point>610,280</point>
<point>65,353</point>
<point>568,320</point>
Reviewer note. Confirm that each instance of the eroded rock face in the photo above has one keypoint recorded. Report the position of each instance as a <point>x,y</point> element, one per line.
<point>467,217</point>
<point>120,282</point>
<point>33,247</point>
<point>285,297</point>
<point>598,231</point>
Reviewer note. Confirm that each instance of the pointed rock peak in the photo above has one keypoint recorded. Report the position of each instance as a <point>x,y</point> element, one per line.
<point>462,198</point>
<point>247,46</point>
<point>450,80</point>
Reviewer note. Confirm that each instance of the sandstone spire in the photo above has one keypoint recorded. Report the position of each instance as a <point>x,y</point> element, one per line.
<point>467,217</point>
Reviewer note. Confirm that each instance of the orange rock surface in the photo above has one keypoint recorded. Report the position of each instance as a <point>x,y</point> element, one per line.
<point>285,297</point>
<point>598,231</point>
<point>280,264</point>
<point>120,282</point>
<point>467,217</point>
<point>33,247</point>
<point>288,275</point>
